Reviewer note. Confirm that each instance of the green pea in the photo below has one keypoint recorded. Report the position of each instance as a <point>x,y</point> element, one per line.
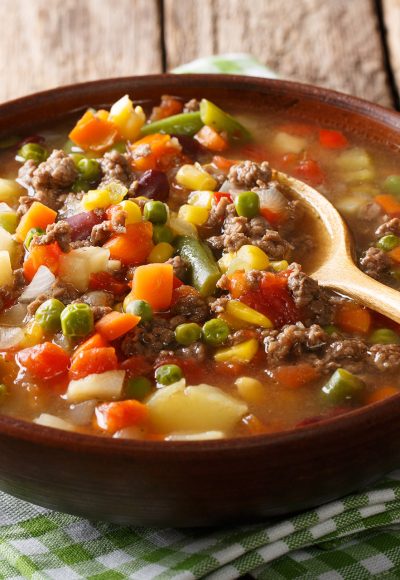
<point>155,212</point>
<point>168,374</point>
<point>120,147</point>
<point>48,315</point>
<point>384,336</point>
<point>162,233</point>
<point>89,169</point>
<point>31,234</point>
<point>215,331</point>
<point>77,320</point>
<point>138,388</point>
<point>331,329</point>
<point>247,204</point>
<point>33,151</point>
<point>342,387</point>
<point>140,308</point>
<point>392,184</point>
<point>80,185</point>
<point>76,157</point>
<point>388,242</point>
<point>187,333</point>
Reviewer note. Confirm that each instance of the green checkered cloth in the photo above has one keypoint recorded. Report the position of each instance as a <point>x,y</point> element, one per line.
<point>355,538</point>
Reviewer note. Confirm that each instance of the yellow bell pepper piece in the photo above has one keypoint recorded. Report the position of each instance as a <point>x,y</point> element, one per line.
<point>240,311</point>
<point>33,335</point>
<point>134,215</point>
<point>195,177</point>
<point>127,118</point>
<point>249,258</point>
<point>160,253</point>
<point>243,352</point>
<point>193,214</point>
<point>233,323</point>
<point>201,199</point>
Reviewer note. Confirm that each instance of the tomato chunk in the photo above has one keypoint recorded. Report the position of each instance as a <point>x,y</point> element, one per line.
<point>93,361</point>
<point>45,361</point>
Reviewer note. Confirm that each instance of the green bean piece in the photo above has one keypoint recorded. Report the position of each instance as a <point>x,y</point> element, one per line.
<point>138,388</point>
<point>182,124</point>
<point>204,270</point>
<point>162,233</point>
<point>187,333</point>
<point>140,308</point>
<point>216,118</point>
<point>342,387</point>
<point>80,185</point>
<point>155,212</point>
<point>33,151</point>
<point>9,221</point>
<point>384,336</point>
<point>388,242</point>
<point>247,204</point>
<point>89,169</point>
<point>392,185</point>
<point>168,374</point>
<point>215,332</point>
<point>31,234</point>
<point>48,315</point>
<point>77,320</point>
<point>331,329</point>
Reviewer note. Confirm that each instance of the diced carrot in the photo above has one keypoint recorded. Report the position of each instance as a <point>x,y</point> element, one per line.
<point>112,417</point>
<point>332,139</point>
<point>37,216</point>
<point>45,361</point>
<point>48,255</point>
<point>381,393</point>
<point>168,106</point>
<point>353,318</point>
<point>94,131</point>
<point>133,247</point>
<point>153,152</point>
<point>238,284</point>
<point>395,254</point>
<point>211,139</point>
<point>95,341</point>
<point>295,376</point>
<point>93,361</point>
<point>223,163</point>
<point>388,203</point>
<point>153,282</point>
<point>106,281</point>
<point>116,324</point>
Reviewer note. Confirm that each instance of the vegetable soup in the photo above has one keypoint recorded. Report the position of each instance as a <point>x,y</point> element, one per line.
<point>153,274</point>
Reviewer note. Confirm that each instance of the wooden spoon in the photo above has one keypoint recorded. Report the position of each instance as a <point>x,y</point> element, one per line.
<point>334,265</point>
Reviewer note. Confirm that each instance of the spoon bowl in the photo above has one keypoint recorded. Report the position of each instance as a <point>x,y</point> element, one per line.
<point>334,265</point>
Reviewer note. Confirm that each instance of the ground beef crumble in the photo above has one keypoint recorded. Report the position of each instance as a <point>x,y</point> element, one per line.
<point>148,338</point>
<point>309,297</point>
<point>115,167</point>
<point>63,291</point>
<point>192,307</point>
<point>59,232</point>
<point>375,262</point>
<point>249,174</point>
<point>180,267</point>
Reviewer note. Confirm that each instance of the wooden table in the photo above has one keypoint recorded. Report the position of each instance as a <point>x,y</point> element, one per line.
<point>349,45</point>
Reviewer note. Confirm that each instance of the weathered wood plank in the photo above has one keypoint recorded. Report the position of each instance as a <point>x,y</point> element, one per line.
<point>391,15</point>
<point>334,44</point>
<point>46,44</point>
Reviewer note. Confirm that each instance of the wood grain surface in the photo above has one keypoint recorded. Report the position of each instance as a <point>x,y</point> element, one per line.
<point>339,44</point>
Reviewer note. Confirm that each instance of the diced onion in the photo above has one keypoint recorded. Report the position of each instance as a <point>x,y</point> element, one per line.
<point>203,436</point>
<point>54,422</point>
<point>272,198</point>
<point>40,284</point>
<point>10,336</point>
<point>82,413</point>
<point>13,316</point>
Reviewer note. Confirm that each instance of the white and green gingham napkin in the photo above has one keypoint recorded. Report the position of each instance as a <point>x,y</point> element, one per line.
<point>355,538</point>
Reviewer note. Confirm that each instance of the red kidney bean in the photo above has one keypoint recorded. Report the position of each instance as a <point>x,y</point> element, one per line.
<point>190,146</point>
<point>82,224</point>
<point>154,185</point>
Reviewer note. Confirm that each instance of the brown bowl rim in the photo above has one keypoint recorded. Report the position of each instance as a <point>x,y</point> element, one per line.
<point>25,430</point>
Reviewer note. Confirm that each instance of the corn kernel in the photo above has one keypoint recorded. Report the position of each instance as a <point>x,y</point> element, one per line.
<point>195,177</point>
<point>117,191</point>
<point>181,227</point>
<point>127,118</point>
<point>33,335</point>
<point>201,199</point>
<point>243,352</point>
<point>249,258</point>
<point>193,214</point>
<point>134,215</point>
<point>280,265</point>
<point>226,261</point>
<point>240,311</point>
<point>251,390</point>
<point>160,253</point>
<point>96,199</point>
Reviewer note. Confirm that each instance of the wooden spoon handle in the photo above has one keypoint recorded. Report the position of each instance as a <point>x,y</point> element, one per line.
<point>364,289</point>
